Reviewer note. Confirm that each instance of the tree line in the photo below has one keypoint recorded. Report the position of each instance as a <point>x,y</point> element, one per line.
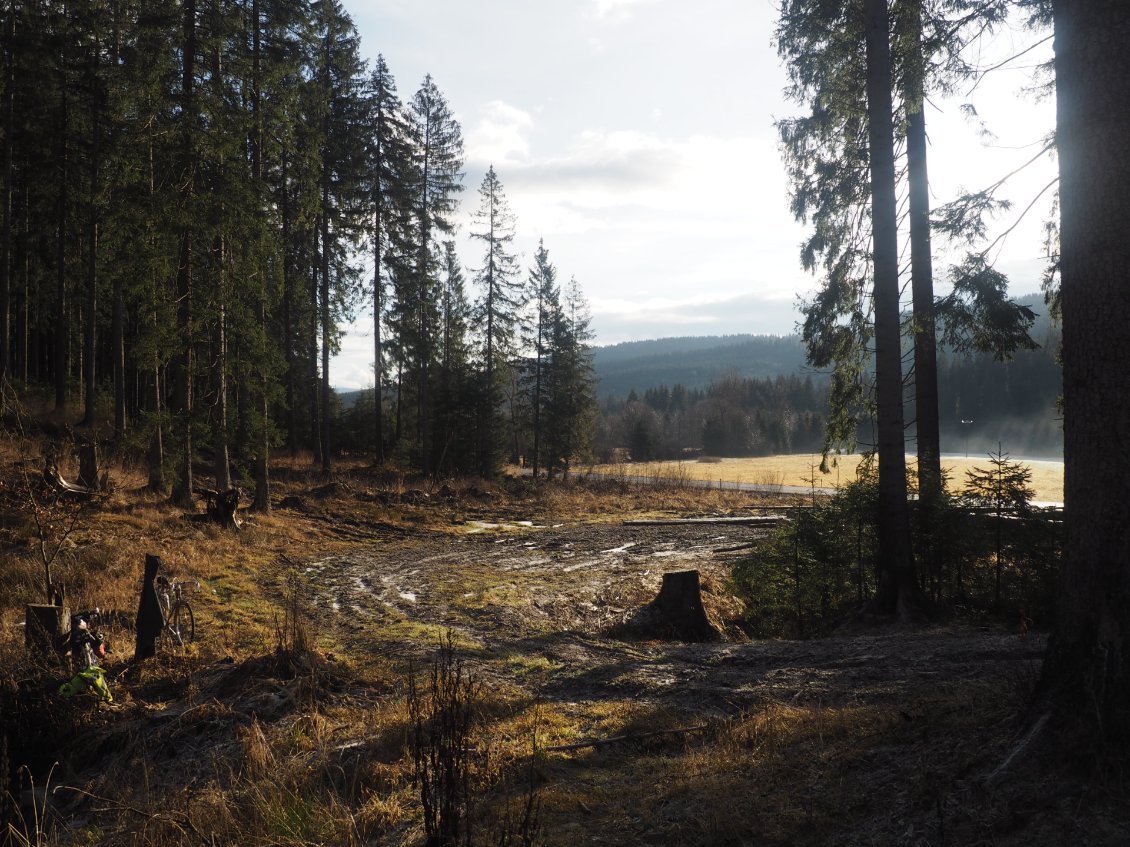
<point>733,416</point>
<point>982,403</point>
<point>197,196</point>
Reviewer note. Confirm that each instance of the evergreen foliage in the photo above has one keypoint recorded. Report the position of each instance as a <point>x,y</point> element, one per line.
<point>189,193</point>
<point>812,572</point>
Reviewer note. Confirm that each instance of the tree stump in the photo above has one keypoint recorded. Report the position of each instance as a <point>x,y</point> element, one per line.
<point>219,506</point>
<point>676,613</point>
<point>680,606</point>
<point>88,464</point>
<point>45,628</point>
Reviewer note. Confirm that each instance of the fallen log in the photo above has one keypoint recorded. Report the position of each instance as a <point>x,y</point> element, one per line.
<point>60,486</point>
<point>617,739</point>
<point>750,520</point>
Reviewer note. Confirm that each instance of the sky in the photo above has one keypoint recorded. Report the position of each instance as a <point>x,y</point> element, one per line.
<point>636,138</point>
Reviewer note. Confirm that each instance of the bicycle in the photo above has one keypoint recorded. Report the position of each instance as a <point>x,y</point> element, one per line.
<point>180,622</point>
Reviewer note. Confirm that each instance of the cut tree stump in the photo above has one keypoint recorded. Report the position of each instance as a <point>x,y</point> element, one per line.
<point>45,627</point>
<point>676,613</point>
<point>220,506</point>
<point>88,464</point>
<point>60,486</point>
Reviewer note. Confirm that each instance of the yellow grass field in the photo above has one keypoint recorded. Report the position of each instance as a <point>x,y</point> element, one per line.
<point>801,470</point>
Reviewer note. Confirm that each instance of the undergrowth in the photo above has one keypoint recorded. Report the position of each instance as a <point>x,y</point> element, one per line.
<point>989,552</point>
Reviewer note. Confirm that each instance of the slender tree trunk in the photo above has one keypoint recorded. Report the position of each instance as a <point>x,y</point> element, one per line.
<point>24,334</point>
<point>1086,675</point>
<point>897,583</point>
<point>89,385</point>
<point>315,381</point>
<point>118,353</point>
<point>117,309</point>
<point>156,459</point>
<point>288,315</point>
<point>326,328</point>
<point>6,201</point>
<point>922,287</point>
<point>538,367</point>
<point>222,458</point>
<point>378,423</point>
<point>399,394</point>
<point>262,460</point>
<point>220,442</point>
<point>182,363</point>
<point>61,245</point>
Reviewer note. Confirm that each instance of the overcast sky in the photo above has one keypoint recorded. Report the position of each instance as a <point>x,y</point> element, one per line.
<point>636,137</point>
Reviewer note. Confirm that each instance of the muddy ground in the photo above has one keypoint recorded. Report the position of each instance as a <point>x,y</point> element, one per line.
<point>532,605</point>
<point>554,592</point>
<point>878,736</point>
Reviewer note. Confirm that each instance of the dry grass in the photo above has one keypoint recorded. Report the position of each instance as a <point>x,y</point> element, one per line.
<point>222,746</point>
<point>803,471</point>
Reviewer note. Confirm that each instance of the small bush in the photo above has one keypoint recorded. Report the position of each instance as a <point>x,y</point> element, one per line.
<point>988,551</point>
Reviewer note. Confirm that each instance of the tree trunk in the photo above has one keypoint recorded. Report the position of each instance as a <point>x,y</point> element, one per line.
<point>325,304</point>
<point>315,382</point>
<point>1086,674</point>
<point>6,201</point>
<point>677,612</point>
<point>61,253</point>
<point>221,456</point>
<point>89,353</point>
<point>897,584</point>
<point>922,287</point>
<point>88,464</point>
<point>156,454</point>
<point>117,307</point>
<point>262,501</point>
<point>378,422</point>
<point>288,317</point>
<point>182,364</point>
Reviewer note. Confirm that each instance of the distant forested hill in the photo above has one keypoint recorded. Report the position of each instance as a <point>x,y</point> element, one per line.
<point>694,362</point>
<point>982,402</point>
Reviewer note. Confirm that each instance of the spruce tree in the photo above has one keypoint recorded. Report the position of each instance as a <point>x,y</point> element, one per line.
<point>438,161</point>
<point>391,179</point>
<point>546,321</point>
<point>497,308</point>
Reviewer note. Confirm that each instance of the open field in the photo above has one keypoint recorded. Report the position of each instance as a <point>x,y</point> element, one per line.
<point>287,722</point>
<point>803,471</point>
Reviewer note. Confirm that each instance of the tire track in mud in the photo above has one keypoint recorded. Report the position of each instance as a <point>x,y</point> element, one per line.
<point>541,597</point>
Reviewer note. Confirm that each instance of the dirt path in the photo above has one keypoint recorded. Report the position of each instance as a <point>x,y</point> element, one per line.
<point>534,602</point>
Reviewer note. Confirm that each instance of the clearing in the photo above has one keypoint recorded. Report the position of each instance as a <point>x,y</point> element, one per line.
<point>878,736</point>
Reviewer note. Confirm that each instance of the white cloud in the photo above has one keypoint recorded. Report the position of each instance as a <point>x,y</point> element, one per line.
<point>501,135</point>
<point>614,10</point>
<point>617,319</point>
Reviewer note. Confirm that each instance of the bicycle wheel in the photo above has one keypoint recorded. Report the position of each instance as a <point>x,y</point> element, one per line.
<point>181,625</point>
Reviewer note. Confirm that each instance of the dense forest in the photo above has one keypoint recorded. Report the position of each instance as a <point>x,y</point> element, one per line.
<point>195,197</point>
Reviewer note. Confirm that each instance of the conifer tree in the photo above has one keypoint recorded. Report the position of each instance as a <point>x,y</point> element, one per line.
<point>341,108</point>
<point>391,179</point>
<point>497,309</point>
<point>545,298</point>
<point>455,394</point>
<point>438,161</point>
<point>570,407</point>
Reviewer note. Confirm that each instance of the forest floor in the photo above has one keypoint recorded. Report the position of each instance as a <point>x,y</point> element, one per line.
<point>287,721</point>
